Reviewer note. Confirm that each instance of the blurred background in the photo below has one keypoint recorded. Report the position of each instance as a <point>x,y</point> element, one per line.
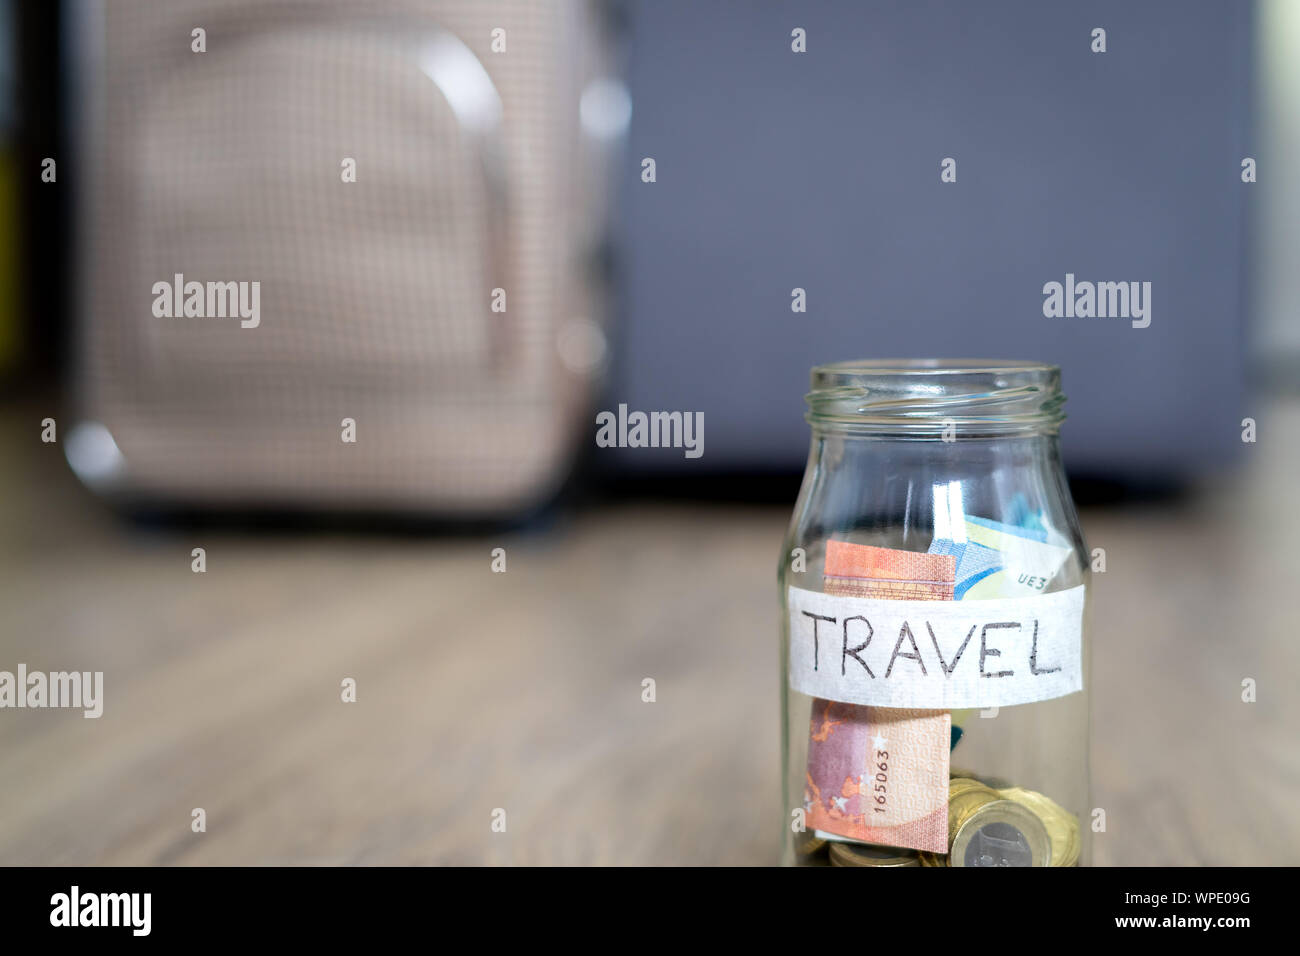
<point>473,226</point>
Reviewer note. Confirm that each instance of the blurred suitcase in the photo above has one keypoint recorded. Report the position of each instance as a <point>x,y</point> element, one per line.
<point>472,174</point>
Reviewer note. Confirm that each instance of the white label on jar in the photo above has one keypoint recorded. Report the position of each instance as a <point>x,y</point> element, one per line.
<point>936,654</point>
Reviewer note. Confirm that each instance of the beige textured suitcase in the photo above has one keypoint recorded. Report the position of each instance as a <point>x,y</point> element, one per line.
<point>423,335</point>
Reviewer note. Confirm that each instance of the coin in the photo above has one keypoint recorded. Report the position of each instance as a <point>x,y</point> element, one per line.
<point>1061,825</point>
<point>857,854</point>
<point>962,804</point>
<point>988,830</point>
<point>958,785</point>
<point>807,844</point>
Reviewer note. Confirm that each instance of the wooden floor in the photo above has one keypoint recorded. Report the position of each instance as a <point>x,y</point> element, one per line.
<point>522,691</point>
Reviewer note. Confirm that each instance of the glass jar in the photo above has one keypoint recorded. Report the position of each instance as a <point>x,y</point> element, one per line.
<point>933,591</point>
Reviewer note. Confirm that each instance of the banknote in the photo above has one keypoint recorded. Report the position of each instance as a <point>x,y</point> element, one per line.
<point>1001,560</point>
<point>879,775</point>
<point>876,774</point>
<point>865,571</point>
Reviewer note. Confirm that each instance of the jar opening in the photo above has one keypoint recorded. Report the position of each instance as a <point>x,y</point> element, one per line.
<point>937,398</point>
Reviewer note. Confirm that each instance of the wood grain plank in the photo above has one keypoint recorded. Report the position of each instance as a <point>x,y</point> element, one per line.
<point>523,690</point>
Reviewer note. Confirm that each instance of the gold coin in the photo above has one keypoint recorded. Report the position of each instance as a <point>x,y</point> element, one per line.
<point>1061,825</point>
<point>857,854</point>
<point>933,859</point>
<point>956,773</point>
<point>806,844</point>
<point>816,859</point>
<point>960,785</point>
<point>986,831</point>
<point>963,803</point>
<point>992,783</point>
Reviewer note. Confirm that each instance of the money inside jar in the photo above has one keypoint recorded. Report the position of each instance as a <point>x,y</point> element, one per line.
<point>880,775</point>
<point>934,585</point>
<point>879,791</point>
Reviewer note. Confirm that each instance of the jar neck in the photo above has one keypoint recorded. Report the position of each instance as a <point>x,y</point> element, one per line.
<point>943,401</point>
<point>898,491</point>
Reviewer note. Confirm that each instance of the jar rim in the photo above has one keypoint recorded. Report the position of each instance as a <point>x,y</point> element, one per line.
<point>937,398</point>
<point>903,366</point>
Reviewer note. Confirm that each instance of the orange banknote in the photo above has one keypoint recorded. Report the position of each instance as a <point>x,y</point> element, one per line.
<point>877,774</point>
